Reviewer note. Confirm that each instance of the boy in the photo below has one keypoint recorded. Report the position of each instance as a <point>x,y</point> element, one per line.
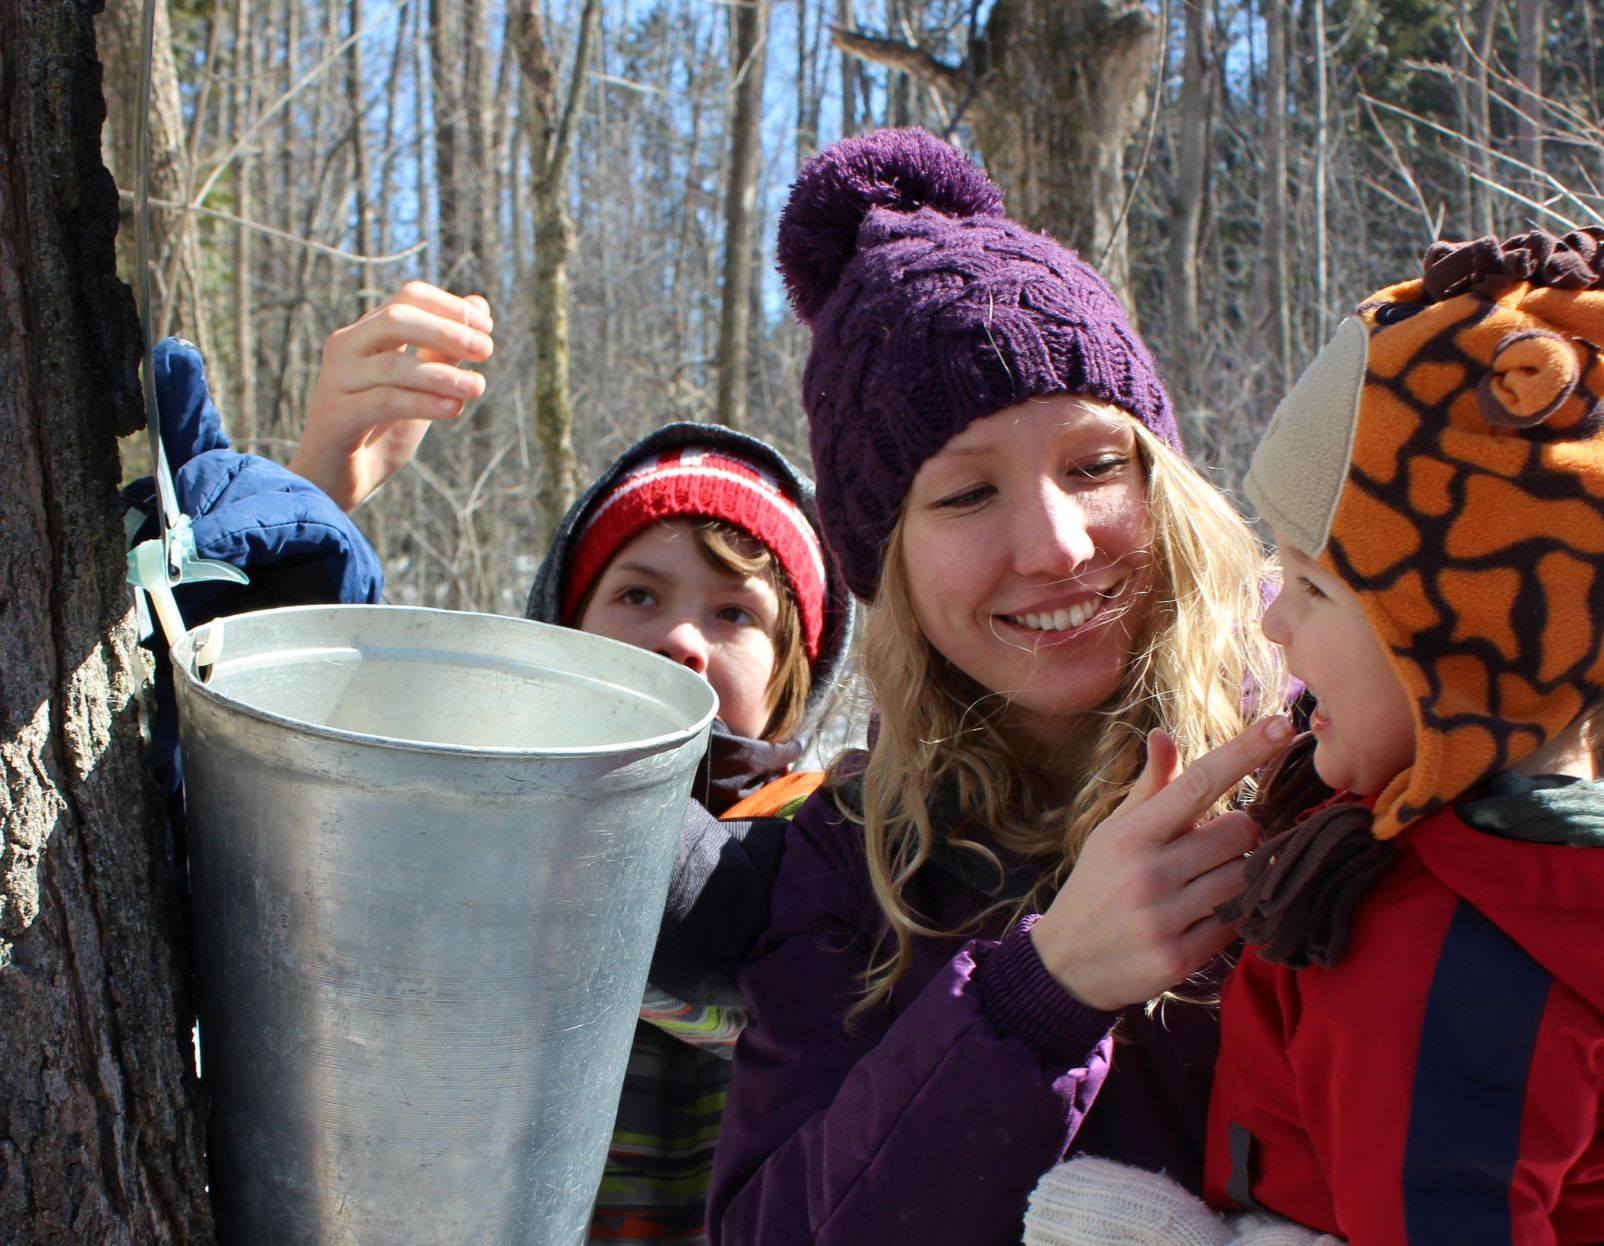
<point>1413,1043</point>
<point>700,544</point>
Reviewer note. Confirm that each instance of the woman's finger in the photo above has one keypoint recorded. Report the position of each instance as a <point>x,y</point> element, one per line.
<point>1177,807</point>
<point>1161,769</point>
<point>1216,842</point>
<point>1200,897</point>
<point>1202,942</point>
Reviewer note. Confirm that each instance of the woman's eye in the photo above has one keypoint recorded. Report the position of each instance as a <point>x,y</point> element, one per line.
<point>738,615</point>
<point>969,497</point>
<point>636,597</point>
<point>1104,465</point>
<point>1309,587</point>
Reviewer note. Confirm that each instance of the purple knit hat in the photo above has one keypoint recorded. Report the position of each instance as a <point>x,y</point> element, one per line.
<point>931,309</point>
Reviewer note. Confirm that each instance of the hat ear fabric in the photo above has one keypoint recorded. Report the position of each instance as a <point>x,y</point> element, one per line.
<point>1531,375</point>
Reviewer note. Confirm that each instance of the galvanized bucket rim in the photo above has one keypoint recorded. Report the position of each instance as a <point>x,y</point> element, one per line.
<point>183,655</point>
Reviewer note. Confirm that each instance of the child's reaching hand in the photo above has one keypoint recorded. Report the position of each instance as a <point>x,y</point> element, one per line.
<point>384,380</point>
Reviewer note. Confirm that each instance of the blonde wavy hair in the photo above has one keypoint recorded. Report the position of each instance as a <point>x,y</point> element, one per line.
<point>1200,670</point>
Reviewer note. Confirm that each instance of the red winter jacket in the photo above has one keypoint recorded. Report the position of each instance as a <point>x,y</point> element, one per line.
<point>1440,1086</point>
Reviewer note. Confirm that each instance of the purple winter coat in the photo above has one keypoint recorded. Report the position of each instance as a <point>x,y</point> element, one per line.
<point>930,1120</point>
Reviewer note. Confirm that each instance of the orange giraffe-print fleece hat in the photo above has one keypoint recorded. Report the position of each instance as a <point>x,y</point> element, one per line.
<point>1444,455</point>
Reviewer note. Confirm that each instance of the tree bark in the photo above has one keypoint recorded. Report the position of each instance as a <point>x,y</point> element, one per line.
<point>749,30</point>
<point>1058,88</point>
<point>362,205</point>
<point>1481,132</point>
<point>244,70</point>
<point>1322,176</point>
<point>445,94</point>
<point>99,1140</point>
<point>1529,69</point>
<point>118,29</point>
<point>551,141</point>
<point>1277,295</point>
<point>1186,213</point>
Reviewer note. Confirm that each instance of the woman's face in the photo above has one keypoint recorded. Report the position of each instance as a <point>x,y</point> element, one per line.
<point>1025,546</point>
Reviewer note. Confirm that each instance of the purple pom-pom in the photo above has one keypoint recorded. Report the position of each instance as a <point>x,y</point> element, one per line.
<point>898,169</point>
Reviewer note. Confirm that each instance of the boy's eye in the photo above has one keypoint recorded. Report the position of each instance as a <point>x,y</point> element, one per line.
<point>1309,587</point>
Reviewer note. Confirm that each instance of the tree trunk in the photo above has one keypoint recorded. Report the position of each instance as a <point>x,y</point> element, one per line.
<point>119,34</point>
<point>1059,85</point>
<point>850,72</point>
<point>1529,119</point>
<point>551,140</point>
<point>445,93</point>
<point>1186,214</point>
<point>361,206</point>
<point>99,1139</point>
<point>1486,217</point>
<point>1277,294</point>
<point>1322,176</point>
<point>749,29</point>
<point>244,70</point>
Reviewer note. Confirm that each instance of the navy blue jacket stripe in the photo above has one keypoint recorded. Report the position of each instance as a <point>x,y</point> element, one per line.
<point>1482,1016</point>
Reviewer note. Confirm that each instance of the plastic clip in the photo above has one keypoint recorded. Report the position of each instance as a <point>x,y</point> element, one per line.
<point>157,567</point>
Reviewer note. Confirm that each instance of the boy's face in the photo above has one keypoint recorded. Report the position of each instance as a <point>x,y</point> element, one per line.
<point>660,593</point>
<point>1363,728</point>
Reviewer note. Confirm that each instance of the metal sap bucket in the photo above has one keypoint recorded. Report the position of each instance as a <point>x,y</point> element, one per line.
<point>430,853</point>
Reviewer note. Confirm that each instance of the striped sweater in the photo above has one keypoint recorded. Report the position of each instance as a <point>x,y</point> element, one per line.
<point>660,1160</point>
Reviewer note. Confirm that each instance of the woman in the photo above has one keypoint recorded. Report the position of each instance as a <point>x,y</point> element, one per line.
<point>970,919</point>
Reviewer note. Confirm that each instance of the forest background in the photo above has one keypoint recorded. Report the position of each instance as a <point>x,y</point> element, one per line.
<point>609,175</point>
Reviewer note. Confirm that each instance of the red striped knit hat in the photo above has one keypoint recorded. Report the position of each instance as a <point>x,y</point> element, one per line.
<point>701,484</point>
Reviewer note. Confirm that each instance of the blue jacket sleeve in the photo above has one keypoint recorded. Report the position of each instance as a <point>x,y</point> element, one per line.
<point>295,543</point>
<point>927,1120</point>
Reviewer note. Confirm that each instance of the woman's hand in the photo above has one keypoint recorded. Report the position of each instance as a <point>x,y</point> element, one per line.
<point>374,401</point>
<point>1136,915</point>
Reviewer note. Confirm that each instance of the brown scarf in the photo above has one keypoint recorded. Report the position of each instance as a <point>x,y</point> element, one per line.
<point>1315,863</point>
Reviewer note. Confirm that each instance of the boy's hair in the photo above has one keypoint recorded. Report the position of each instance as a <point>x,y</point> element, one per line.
<point>731,551</point>
<point>1200,670</point>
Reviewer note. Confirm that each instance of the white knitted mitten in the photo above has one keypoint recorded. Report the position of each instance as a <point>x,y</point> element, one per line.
<point>1258,1229</point>
<point>1096,1202</point>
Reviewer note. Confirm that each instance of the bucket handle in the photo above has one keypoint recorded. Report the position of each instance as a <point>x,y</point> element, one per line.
<point>208,649</point>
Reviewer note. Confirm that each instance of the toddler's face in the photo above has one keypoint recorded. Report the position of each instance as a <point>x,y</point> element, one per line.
<point>660,593</point>
<point>1363,727</point>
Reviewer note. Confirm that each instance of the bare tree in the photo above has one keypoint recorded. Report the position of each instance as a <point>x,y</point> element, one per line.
<point>98,1102</point>
<point>361,202</point>
<point>243,63</point>
<point>172,241</point>
<point>1529,72</point>
<point>552,122</point>
<point>1186,210</point>
<point>749,35</point>
<point>1278,296</point>
<point>1052,93</point>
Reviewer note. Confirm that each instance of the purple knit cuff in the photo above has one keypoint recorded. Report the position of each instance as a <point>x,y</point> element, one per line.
<point>1022,1000</point>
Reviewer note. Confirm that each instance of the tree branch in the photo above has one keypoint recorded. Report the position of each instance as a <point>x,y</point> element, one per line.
<point>910,59</point>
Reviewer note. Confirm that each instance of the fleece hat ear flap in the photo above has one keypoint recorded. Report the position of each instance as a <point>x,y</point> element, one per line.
<point>1470,514</point>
